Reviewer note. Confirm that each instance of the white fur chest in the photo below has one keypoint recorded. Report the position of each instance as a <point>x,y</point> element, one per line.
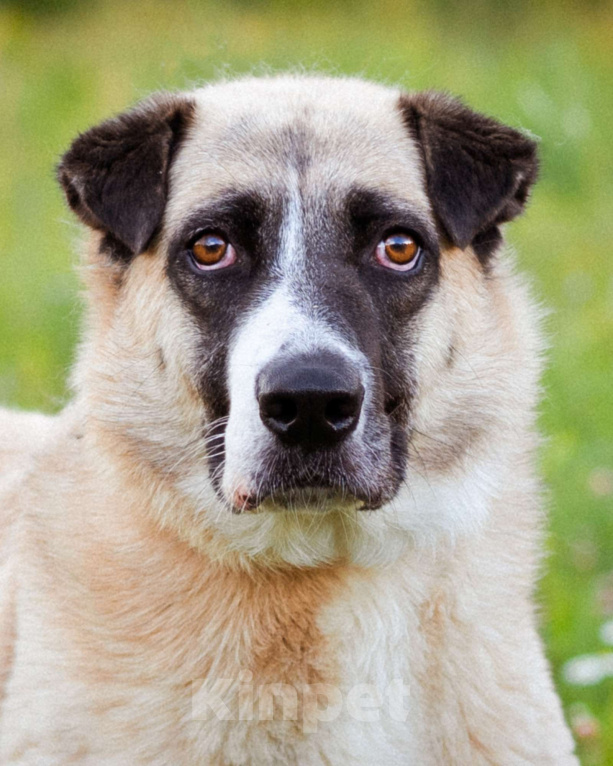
<point>366,711</point>
<point>373,629</point>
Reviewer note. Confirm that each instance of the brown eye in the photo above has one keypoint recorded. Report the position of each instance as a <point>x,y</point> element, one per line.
<point>398,251</point>
<point>401,248</point>
<point>212,251</point>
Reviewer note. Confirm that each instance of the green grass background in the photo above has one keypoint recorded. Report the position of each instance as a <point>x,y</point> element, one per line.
<point>546,67</point>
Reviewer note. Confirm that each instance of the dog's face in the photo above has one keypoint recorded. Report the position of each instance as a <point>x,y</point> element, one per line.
<point>299,281</point>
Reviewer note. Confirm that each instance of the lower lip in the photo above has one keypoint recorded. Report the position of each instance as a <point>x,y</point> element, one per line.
<point>306,501</point>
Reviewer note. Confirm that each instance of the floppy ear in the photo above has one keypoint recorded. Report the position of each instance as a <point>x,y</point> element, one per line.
<point>478,171</point>
<point>115,175</point>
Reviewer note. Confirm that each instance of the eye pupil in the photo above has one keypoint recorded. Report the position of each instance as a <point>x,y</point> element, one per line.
<point>209,249</point>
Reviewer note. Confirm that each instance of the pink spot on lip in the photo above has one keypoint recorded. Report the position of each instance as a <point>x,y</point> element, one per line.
<point>243,501</point>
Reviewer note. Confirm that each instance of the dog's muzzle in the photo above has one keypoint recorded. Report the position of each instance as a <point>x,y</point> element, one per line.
<point>318,437</point>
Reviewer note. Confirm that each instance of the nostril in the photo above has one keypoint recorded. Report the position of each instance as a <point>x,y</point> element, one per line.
<point>341,410</point>
<point>282,409</point>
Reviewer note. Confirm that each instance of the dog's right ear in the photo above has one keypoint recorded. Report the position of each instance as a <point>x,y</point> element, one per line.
<point>115,175</point>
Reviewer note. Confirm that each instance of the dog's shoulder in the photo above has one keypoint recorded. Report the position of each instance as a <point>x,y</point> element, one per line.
<point>22,434</point>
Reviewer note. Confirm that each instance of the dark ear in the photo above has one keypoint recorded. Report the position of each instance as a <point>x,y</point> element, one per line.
<point>478,171</point>
<point>115,175</point>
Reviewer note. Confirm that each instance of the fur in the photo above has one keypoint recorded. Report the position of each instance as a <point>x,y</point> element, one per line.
<point>130,594</point>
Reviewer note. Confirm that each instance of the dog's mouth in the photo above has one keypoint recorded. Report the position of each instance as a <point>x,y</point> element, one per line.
<point>289,480</point>
<point>314,498</point>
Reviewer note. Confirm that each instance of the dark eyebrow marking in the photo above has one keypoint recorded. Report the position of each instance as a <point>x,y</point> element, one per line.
<point>242,209</point>
<point>371,207</point>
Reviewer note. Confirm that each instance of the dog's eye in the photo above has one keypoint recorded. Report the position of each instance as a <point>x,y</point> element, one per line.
<point>399,251</point>
<point>212,251</point>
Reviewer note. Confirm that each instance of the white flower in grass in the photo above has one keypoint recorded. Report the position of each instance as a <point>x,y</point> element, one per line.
<point>588,669</point>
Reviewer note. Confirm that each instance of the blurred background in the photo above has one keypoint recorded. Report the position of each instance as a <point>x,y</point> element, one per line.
<point>546,67</point>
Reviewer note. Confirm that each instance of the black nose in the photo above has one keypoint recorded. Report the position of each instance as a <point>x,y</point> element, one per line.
<point>313,401</point>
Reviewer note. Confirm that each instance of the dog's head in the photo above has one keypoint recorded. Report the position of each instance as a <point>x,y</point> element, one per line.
<point>301,318</point>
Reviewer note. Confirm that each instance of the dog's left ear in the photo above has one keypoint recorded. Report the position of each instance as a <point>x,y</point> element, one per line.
<point>478,171</point>
<point>115,175</point>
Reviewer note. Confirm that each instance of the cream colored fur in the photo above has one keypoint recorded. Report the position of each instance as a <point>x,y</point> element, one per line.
<point>125,585</point>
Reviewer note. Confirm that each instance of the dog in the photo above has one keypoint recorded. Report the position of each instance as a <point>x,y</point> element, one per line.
<point>291,514</point>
